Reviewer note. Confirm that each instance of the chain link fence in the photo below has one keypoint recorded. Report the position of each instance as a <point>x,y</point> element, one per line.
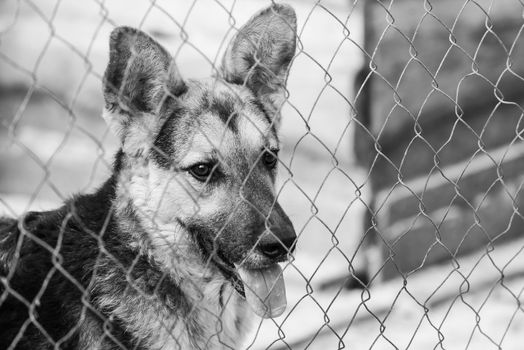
<point>401,163</point>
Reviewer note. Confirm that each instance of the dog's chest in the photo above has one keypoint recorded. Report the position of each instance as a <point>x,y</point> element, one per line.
<point>218,319</point>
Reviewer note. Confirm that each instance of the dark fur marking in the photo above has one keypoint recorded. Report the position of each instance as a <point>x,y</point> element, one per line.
<point>79,253</point>
<point>222,105</point>
<point>163,147</point>
<point>117,329</point>
<point>179,88</point>
<point>225,108</point>
<point>235,79</point>
<point>8,238</point>
<point>221,296</point>
<point>262,109</point>
<point>208,248</point>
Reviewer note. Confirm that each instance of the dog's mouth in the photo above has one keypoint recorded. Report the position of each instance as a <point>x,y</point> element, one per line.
<point>262,287</point>
<point>259,281</point>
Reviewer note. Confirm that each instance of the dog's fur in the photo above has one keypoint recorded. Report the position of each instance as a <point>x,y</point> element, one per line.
<point>148,260</point>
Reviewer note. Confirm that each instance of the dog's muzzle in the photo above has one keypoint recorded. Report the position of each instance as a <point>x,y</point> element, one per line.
<point>263,284</point>
<point>258,276</point>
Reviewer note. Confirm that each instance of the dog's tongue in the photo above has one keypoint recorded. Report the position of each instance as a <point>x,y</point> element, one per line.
<point>265,290</point>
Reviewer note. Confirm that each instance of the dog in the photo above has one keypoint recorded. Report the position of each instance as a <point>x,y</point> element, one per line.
<point>180,247</point>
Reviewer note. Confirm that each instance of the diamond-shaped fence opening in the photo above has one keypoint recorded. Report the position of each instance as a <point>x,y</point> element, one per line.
<point>401,169</point>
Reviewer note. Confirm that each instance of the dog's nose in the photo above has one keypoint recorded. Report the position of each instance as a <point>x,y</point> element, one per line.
<point>278,248</point>
<point>277,236</point>
<point>278,243</point>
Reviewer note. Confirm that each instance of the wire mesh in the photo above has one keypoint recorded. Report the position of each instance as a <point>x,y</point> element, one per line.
<point>400,166</point>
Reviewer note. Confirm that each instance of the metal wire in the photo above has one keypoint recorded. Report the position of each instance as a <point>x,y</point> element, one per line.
<point>401,167</point>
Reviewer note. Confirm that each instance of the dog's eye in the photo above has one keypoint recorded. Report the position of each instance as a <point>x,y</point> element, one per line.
<point>270,159</point>
<point>201,171</point>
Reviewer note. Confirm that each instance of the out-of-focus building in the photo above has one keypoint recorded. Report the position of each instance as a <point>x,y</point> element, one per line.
<point>441,128</point>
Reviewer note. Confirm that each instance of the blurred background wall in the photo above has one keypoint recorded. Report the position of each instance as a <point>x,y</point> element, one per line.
<point>442,135</point>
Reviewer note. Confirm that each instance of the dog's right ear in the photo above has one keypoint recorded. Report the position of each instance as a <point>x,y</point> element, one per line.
<point>139,77</point>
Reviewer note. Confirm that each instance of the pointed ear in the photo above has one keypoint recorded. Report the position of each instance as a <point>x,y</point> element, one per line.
<point>260,54</point>
<point>138,78</point>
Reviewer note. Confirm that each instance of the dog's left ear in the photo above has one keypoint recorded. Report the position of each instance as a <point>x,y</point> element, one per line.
<point>260,54</point>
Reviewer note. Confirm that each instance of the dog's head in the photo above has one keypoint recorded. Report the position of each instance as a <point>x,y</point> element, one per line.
<point>200,157</point>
